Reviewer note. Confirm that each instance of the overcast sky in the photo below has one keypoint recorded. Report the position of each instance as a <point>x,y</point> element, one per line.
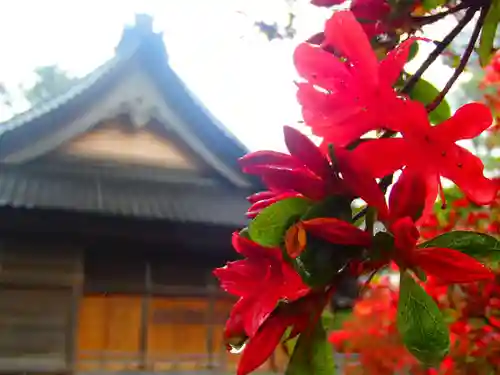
<point>246,81</point>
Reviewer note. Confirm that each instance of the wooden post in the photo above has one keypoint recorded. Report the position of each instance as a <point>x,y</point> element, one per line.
<point>72,333</point>
<point>145,308</point>
<point>210,320</point>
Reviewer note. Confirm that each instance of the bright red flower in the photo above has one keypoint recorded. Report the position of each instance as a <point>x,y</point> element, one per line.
<point>307,171</point>
<point>261,281</point>
<point>450,266</point>
<point>345,98</point>
<point>299,315</point>
<point>432,151</point>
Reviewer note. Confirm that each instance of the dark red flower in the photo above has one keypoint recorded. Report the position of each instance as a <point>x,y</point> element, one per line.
<point>346,97</point>
<point>261,280</point>
<point>307,171</point>
<point>432,151</point>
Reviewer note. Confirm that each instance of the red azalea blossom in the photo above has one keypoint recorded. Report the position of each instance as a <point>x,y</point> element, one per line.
<point>451,266</point>
<point>432,151</point>
<point>342,100</point>
<point>308,172</point>
<point>261,281</point>
<point>299,315</point>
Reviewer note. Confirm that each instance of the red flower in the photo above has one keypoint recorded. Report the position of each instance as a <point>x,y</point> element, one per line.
<point>299,315</point>
<point>450,266</point>
<point>431,151</point>
<point>307,171</point>
<point>375,16</point>
<point>343,100</point>
<point>261,281</point>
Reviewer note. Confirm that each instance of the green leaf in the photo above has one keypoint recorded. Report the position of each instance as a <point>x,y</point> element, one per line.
<point>477,245</point>
<point>321,261</point>
<point>339,317</point>
<point>420,323</point>
<point>488,33</point>
<point>270,225</point>
<point>333,206</point>
<point>432,4</point>
<point>312,354</point>
<point>425,93</point>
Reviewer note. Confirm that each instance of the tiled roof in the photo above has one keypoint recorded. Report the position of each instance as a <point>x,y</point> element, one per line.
<point>95,194</point>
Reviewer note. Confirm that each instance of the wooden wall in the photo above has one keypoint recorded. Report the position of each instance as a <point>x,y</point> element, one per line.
<point>38,287</point>
<point>112,311</point>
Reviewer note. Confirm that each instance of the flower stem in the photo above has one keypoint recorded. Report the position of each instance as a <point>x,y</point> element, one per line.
<point>438,50</point>
<point>463,61</point>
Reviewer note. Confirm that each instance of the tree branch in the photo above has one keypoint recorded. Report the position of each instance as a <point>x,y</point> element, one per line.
<point>463,61</point>
<point>438,50</point>
<point>426,20</point>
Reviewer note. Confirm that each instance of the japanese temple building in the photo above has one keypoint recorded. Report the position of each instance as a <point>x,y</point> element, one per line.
<point>117,199</point>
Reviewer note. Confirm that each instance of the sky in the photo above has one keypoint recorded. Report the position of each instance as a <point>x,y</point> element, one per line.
<point>245,80</point>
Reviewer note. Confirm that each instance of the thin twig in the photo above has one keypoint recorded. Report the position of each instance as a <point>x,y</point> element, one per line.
<point>426,20</point>
<point>463,61</point>
<point>438,50</point>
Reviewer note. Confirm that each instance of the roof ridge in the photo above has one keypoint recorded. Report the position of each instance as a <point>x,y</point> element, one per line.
<point>74,91</point>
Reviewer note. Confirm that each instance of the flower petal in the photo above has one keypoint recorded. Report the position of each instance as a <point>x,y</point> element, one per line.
<point>451,266</point>
<point>268,158</point>
<point>408,195</point>
<point>303,149</point>
<point>337,231</point>
<point>238,277</point>
<point>468,122</point>
<point>382,156</point>
<point>317,65</point>
<point>260,196</point>
<point>251,249</point>
<point>360,180</point>
<point>391,66</point>
<point>466,170</point>
<point>405,236</point>
<point>295,240</point>
<point>260,205</point>
<point>344,33</point>
<point>298,180</point>
<point>234,330</point>
<point>260,347</point>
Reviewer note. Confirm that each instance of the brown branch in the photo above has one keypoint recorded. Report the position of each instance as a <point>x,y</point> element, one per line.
<point>438,50</point>
<point>463,61</point>
<point>426,20</point>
